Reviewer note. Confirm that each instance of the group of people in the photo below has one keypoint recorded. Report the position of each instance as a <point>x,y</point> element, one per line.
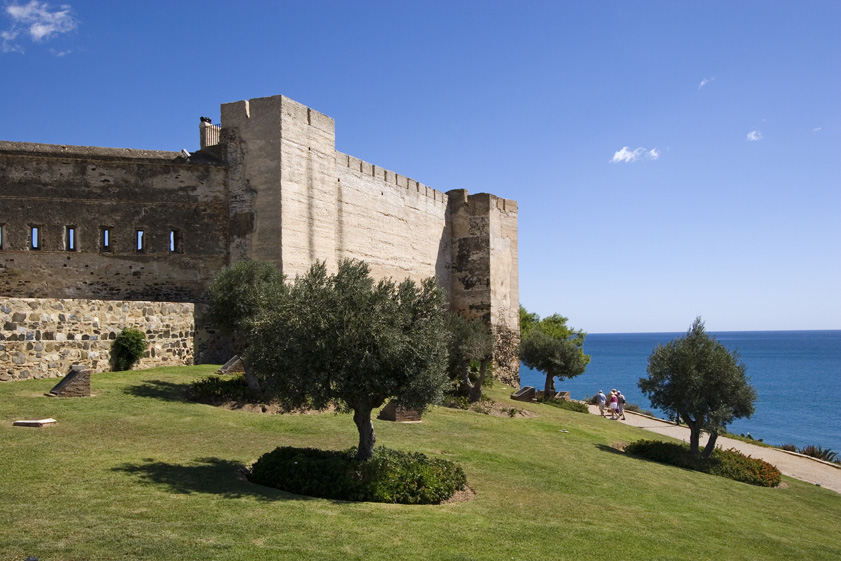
<point>615,404</point>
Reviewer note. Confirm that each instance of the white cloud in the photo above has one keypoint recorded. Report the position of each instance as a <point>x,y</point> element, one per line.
<point>37,20</point>
<point>816,129</point>
<point>753,136</point>
<point>626,155</point>
<point>705,81</point>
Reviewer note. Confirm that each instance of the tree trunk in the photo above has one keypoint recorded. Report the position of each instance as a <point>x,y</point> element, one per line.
<point>250,377</point>
<point>708,449</point>
<point>362,418</point>
<point>466,386</point>
<point>549,388</point>
<point>694,434</point>
<point>475,393</point>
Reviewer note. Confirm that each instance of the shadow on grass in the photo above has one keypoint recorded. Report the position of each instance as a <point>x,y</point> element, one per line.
<point>611,449</point>
<point>159,389</point>
<point>214,476</point>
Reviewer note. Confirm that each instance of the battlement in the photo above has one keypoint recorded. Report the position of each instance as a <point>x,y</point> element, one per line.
<point>389,178</point>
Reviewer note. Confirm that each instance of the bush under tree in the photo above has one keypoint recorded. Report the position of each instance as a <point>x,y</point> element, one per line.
<point>390,476</point>
<point>700,381</point>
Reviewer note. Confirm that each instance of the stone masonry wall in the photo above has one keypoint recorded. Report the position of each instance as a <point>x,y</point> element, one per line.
<point>43,338</point>
<point>57,189</point>
<point>397,225</point>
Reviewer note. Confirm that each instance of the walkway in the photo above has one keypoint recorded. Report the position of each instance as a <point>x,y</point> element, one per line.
<point>798,466</point>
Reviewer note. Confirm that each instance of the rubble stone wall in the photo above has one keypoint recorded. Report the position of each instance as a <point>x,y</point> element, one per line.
<point>44,337</point>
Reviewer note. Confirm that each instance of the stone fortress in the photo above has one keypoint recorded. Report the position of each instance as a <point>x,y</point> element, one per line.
<point>94,240</point>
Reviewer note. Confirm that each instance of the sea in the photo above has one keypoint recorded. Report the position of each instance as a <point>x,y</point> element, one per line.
<point>797,376</point>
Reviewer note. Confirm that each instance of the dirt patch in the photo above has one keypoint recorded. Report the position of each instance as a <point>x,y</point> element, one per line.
<point>268,408</point>
<point>466,494</point>
<point>497,409</point>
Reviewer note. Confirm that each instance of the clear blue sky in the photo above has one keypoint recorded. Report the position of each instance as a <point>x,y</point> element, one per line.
<point>670,159</point>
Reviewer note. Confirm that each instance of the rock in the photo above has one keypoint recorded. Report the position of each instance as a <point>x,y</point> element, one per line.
<point>526,393</point>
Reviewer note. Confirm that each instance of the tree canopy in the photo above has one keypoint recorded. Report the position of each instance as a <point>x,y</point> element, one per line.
<point>346,340</point>
<point>550,346</point>
<point>237,299</point>
<point>698,379</point>
<point>471,341</point>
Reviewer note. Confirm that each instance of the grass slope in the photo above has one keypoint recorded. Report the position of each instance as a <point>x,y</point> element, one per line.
<point>137,472</point>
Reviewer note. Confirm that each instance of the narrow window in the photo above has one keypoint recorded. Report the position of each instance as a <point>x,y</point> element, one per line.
<point>2,226</point>
<point>105,238</point>
<point>140,241</point>
<point>70,238</point>
<point>175,241</point>
<point>35,237</point>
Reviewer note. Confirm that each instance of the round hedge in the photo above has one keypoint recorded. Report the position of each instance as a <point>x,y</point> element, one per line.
<point>390,476</point>
<point>725,463</point>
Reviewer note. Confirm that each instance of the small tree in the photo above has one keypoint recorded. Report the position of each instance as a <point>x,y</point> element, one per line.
<point>550,346</point>
<point>237,299</point>
<point>470,342</point>
<point>127,349</point>
<point>347,340</point>
<point>698,379</point>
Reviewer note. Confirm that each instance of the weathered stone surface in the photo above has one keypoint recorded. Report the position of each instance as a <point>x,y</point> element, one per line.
<point>526,393</point>
<point>393,412</point>
<point>77,383</point>
<point>233,366</point>
<point>77,340</point>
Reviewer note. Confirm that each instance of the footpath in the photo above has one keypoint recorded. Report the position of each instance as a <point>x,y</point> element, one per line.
<point>804,468</point>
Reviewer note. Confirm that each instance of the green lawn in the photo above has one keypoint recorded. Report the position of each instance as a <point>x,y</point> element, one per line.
<point>137,472</point>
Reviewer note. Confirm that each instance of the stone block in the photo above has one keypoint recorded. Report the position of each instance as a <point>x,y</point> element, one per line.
<point>526,393</point>
<point>77,383</point>
<point>394,412</point>
<point>233,366</point>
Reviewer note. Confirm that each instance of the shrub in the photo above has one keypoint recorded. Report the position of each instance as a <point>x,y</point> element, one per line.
<point>735,465</point>
<point>127,349</point>
<point>637,409</point>
<point>576,406</point>
<point>216,390</point>
<point>788,447</point>
<point>824,454</point>
<point>725,463</point>
<point>455,401</point>
<point>390,476</point>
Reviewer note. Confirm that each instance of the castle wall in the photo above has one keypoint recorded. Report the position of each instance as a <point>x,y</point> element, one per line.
<point>90,190</point>
<point>44,337</point>
<point>398,226</point>
<point>273,189</point>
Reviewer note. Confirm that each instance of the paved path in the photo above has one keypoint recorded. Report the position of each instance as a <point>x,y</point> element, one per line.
<point>794,465</point>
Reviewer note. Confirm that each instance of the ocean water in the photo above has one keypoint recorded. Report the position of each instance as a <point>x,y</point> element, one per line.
<point>797,376</point>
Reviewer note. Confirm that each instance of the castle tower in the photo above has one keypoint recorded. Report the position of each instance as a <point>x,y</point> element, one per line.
<point>282,180</point>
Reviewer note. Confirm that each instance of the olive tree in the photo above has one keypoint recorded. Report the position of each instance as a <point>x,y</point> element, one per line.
<point>344,339</point>
<point>550,346</point>
<point>702,382</point>
<point>471,341</point>
<point>238,297</point>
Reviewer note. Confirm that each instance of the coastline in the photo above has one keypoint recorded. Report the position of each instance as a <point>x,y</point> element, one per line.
<point>805,468</point>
